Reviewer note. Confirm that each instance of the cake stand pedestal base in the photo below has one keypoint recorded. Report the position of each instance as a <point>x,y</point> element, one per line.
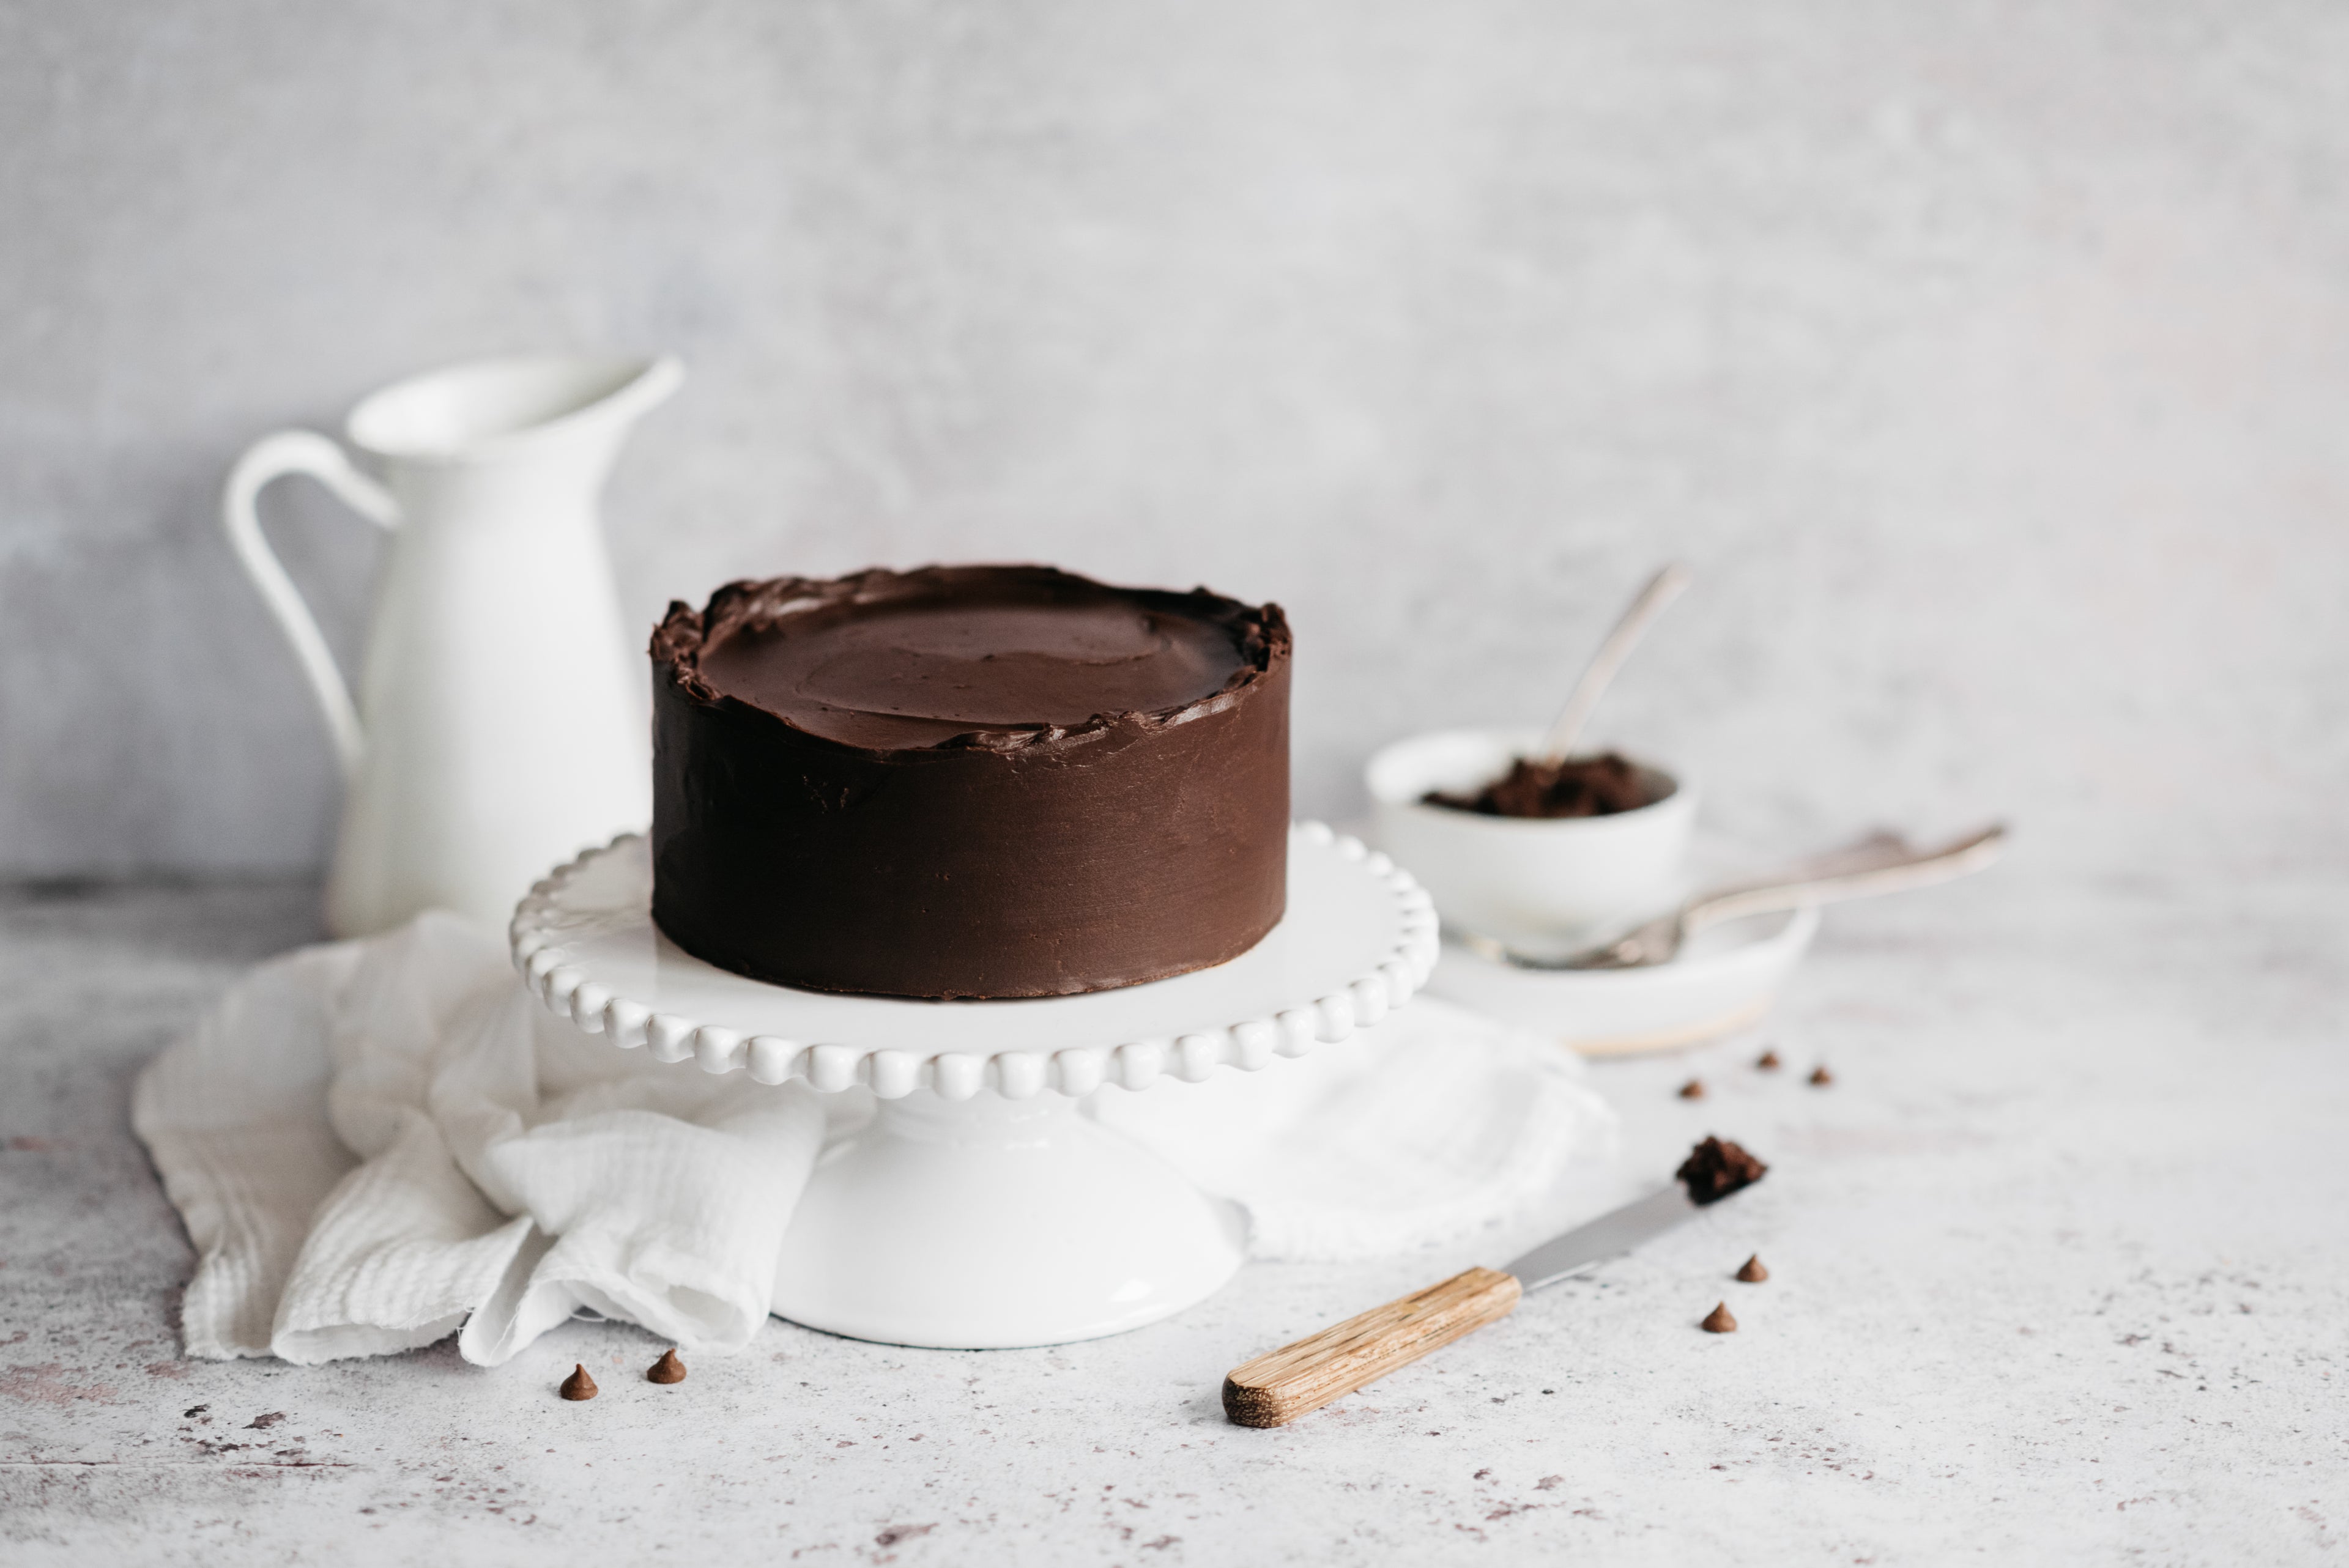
<point>982,1209</point>
<point>988,1223</point>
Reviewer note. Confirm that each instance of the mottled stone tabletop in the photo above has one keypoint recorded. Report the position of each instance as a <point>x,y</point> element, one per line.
<point>2060,1272</point>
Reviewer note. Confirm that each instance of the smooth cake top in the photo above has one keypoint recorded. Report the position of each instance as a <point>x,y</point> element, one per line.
<point>978,656</point>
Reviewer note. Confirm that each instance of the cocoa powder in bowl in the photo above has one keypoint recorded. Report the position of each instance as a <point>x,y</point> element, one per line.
<point>1596,786</point>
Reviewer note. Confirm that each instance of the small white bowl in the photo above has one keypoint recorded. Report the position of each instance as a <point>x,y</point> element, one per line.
<point>1536,881</point>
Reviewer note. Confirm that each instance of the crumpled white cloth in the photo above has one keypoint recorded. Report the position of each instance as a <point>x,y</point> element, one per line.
<point>375,1143</point>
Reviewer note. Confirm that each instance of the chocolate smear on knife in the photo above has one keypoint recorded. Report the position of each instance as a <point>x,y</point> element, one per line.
<point>1714,1169</point>
<point>1754,1272</point>
<point>1718,1321</point>
<point>578,1386</point>
<point>668,1369</point>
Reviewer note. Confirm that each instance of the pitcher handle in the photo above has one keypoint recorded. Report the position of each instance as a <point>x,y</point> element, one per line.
<point>272,457</point>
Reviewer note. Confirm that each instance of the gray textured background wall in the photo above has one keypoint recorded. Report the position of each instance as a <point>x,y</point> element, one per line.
<point>1990,361</point>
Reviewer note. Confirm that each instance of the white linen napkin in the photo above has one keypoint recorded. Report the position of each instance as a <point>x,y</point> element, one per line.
<point>375,1143</point>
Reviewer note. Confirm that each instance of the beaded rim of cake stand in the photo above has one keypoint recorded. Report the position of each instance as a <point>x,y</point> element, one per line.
<point>1076,1072</point>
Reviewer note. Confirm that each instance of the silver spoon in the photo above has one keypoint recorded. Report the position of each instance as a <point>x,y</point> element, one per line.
<point>1881,864</point>
<point>1566,729</point>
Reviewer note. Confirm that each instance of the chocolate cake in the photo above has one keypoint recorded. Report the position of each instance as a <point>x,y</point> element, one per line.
<point>969,781</point>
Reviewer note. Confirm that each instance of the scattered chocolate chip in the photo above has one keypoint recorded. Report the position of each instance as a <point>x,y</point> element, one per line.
<point>1714,1169</point>
<point>1754,1272</point>
<point>1767,1061</point>
<point>1821,1077</point>
<point>193,1411</point>
<point>1718,1321</point>
<point>578,1386</point>
<point>1692,1090</point>
<point>263,1422</point>
<point>668,1369</point>
<point>1579,787</point>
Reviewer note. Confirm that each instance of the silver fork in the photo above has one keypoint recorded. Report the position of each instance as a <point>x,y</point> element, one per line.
<point>1882,863</point>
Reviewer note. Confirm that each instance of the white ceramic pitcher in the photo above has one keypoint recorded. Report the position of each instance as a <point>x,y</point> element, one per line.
<point>503,717</point>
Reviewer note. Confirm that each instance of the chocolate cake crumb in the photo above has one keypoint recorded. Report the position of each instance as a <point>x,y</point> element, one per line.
<point>1718,1321</point>
<point>1692,1090</point>
<point>1715,1168</point>
<point>668,1369</point>
<point>1821,1077</point>
<point>1754,1272</point>
<point>1767,1061</point>
<point>578,1386</point>
<point>1578,787</point>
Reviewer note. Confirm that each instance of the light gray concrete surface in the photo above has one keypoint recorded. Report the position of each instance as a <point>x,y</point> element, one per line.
<point>2058,1267</point>
<point>1989,359</point>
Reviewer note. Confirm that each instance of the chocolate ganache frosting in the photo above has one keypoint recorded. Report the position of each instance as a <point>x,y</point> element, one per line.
<point>969,781</point>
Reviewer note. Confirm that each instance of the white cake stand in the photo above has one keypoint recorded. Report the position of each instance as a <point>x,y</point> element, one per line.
<point>980,1209</point>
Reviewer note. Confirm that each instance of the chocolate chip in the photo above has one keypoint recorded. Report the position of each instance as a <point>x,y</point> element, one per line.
<point>1715,1168</point>
<point>1821,1077</point>
<point>578,1386</point>
<point>1754,1272</point>
<point>1692,1090</point>
<point>668,1369</point>
<point>1767,1061</point>
<point>1718,1321</point>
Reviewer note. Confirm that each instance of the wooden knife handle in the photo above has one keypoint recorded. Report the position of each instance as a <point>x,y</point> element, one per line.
<point>1282,1385</point>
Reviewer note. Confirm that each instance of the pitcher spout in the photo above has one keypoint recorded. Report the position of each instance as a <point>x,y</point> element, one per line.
<point>492,409</point>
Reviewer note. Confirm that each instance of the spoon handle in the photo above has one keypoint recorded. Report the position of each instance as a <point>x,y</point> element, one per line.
<point>1918,869</point>
<point>1566,729</point>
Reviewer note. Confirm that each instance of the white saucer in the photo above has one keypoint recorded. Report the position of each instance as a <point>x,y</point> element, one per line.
<point>1724,980</point>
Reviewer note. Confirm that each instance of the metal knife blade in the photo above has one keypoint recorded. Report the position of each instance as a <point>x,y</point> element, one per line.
<point>1608,1236</point>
